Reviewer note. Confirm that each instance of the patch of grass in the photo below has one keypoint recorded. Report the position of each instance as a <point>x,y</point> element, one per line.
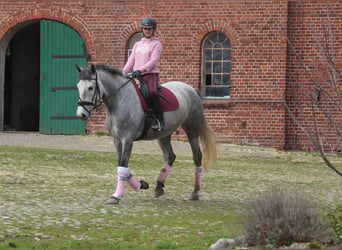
<point>166,245</point>
<point>57,199</point>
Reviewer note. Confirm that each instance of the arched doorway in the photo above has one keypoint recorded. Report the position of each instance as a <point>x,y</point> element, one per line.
<point>21,97</point>
<point>40,79</point>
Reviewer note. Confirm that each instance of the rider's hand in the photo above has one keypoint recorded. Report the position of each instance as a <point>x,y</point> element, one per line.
<point>136,73</point>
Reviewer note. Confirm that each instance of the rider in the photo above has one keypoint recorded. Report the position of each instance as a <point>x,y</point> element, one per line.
<point>143,61</point>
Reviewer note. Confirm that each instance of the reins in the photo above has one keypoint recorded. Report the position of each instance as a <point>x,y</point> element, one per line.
<point>117,90</point>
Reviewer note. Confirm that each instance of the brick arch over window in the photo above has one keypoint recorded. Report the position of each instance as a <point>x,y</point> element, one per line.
<point>211,26</point>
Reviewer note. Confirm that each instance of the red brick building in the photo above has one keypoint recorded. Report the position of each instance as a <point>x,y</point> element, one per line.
<point>258,56</point>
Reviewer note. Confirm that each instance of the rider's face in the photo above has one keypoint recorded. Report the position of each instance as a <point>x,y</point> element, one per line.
<point>148,32</point>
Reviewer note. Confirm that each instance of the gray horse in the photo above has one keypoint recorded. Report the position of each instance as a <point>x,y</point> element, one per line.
<point>125,121</point>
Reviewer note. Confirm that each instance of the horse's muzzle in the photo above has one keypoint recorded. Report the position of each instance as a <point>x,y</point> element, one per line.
<point>82,114</point>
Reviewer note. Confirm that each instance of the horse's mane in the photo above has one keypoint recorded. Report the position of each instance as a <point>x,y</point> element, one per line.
<point>109,69</point>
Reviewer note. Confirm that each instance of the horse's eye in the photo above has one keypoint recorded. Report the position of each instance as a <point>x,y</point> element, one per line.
<point>90,88</point>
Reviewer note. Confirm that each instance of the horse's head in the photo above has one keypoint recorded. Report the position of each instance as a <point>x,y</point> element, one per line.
<point>89,91</point>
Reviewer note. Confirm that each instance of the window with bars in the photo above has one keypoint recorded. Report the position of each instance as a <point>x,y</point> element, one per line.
<point>216,66</point>
<point>135,38</point>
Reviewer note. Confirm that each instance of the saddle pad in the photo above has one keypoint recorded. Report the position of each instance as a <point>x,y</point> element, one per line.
<point>165,93</point>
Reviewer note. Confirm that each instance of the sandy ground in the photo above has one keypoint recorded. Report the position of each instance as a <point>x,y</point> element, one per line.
<point>105,143</point>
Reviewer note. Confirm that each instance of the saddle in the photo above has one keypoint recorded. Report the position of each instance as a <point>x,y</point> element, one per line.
<point>169,100</point>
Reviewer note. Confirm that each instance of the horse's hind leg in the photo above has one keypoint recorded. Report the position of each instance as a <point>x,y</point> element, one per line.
<point>197,157</point>
<point>169,158</point>
<point>193,136</point>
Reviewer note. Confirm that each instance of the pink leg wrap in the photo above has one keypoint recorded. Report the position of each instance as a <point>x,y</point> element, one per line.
<point>123,173</point>
<point>164,172</point>
<point>134,183</point>
<point>198,176</point>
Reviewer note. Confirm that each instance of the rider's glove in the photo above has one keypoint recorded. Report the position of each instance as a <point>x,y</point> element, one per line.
<point>136,73</point>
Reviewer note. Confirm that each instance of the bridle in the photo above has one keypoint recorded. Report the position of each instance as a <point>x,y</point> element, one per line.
<point>96,99</point>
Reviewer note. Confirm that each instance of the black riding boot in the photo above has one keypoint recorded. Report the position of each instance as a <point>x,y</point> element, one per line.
<point>157,107</point>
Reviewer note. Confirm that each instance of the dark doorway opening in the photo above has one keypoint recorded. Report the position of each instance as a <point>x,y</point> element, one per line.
<point>22,80</point>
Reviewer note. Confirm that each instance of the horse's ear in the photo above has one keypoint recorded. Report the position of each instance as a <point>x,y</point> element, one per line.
<point>92,68</point>
<point>79,69</point>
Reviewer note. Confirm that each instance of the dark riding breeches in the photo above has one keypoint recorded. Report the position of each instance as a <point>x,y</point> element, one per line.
<point>152,81</point>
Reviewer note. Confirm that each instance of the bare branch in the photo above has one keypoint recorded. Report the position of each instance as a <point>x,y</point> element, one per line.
<point>314,138</point>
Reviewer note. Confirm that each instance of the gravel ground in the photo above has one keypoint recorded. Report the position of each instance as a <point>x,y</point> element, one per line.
<point>63,197</point>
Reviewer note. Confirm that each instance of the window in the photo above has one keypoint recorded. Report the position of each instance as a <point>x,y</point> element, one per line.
<point>135,38</point>
<point>216,66</point>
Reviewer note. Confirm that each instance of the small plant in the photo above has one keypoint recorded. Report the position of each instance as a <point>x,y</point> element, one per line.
<point>335,222</point>
<point>101,133</point>
<point>166,245</point>
<point>279,218</point>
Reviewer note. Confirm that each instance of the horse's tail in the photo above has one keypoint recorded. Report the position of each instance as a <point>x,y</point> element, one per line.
<point>208,143</point>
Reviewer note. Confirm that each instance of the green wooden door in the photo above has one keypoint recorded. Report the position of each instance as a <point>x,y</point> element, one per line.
<point>61,48</point>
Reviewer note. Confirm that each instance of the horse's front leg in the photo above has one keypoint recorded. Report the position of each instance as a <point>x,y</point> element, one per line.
<point>124,150</point>
<point>169,158</point>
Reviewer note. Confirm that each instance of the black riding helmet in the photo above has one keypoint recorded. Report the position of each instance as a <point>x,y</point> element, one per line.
<point>148,22</point>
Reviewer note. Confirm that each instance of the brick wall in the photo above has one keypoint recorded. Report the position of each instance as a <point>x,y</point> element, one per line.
<point>308,25</point>
<point>260,57</point>
<point>258,53</point>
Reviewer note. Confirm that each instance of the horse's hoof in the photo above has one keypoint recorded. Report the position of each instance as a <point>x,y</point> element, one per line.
<point>144,185</point>
<point>113,201</point>
<point>158,192</point>
<point>194,196</point>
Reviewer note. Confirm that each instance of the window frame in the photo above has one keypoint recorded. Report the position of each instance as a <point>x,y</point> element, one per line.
<point>220,47</point>
<point>136,37</point>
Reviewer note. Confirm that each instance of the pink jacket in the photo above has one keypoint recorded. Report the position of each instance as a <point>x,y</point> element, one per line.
<point>145,56</point>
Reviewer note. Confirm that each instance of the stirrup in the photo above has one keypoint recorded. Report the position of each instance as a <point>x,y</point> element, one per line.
<point>157,126</point>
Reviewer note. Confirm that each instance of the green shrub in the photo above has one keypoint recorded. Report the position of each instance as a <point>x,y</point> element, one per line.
<point>335,222</point>
<point>279,218</point>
